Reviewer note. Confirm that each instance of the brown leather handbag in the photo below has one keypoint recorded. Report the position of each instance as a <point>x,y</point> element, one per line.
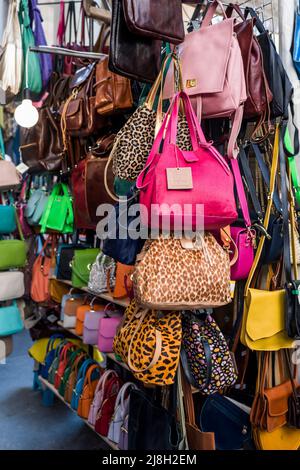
<point>113,92</point>
<point>132,56</point>
<point>88,184</point>
<point>259,95</point>
<point>156,19</point>
<point>88,392</point>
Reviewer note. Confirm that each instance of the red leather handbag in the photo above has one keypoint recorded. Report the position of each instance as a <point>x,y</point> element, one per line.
<point>106,411</point>
<point>63,362</point>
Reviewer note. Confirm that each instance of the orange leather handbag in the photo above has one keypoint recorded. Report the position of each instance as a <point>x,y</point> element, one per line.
<point>63,362</point>
<point>80,315</point>
<point>40,291</point>
<point>71,382</point>
<point>88,392</point>
<point>123,286</point>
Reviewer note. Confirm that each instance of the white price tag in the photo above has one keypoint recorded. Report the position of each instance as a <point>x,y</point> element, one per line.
<point>22,168</point>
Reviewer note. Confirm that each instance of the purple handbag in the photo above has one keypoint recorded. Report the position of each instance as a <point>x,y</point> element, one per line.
<point>40,40</point>
<point>91,324</point>
<point>107,330</point>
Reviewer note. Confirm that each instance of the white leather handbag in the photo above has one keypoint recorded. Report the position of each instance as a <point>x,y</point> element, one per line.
<point>11,285</point>
<point>121,407</point>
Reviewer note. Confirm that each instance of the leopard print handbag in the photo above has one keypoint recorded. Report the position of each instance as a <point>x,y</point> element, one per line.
<point>168,276</point>
<point>149,343</point>
<point>208,363</point>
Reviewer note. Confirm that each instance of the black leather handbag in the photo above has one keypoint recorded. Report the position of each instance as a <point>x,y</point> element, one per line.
<point>65,255</point>
<point>150,425</point>
<point>132,55</point>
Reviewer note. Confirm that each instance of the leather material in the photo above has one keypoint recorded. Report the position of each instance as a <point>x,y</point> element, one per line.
<point>106,409</point>
<point>229,423</point>
<point>11,285</point>
<point>80,316</point>
<point>64,356</point>
<point>71,382</point>
<point>296,43</point>
<point>292,305</point>
<point>9,177</point>
<point>12,254</point>
<point>88,189</point>
<point>10,320</point>
<point>40,279</point>
<point>120,412</point>
<point>35,207</point>
<point>81,264</point>
<point>7,219</point>
<point>212,181</point>
<point>102,272</point>
<point>91,324</point>
<point>65,254</point>
<point>130,55</point>
<point>156,19</point>
<point>99,395</point>
<point>57,290</point>
<point>88,391</point>
<point>123,285</point>
<point>106,332</point>
<point>58,214</point>
<point>77,391</point>
<point>284,438</point>
<point>113,92</point>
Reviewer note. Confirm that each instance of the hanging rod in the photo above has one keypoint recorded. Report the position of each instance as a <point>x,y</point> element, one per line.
<point>67,52</point>
<point>58,3</point>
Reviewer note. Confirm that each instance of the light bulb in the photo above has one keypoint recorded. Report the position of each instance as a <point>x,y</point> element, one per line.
<point>26,114</point>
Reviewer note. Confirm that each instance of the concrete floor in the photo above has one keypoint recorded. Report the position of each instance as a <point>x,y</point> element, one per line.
<point>25,423</point>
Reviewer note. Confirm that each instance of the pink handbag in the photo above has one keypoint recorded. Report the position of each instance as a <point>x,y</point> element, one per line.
<point>107,330</point>
<point>98,397</point>
<point>91,324</point>
<point>196,185</point>
<point>213,73</point>
<point>243,237</point>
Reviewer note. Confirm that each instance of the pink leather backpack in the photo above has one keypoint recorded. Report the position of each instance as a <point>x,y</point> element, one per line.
<point>213,73</point>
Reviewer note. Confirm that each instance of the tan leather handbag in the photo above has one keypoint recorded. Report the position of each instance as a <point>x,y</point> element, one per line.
<point>113,92</point>
<point>88,392</point>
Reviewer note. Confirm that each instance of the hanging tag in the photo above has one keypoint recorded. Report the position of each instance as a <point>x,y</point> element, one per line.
<point>22,168</point>
<point>179,178</point>
<point>232,288</point>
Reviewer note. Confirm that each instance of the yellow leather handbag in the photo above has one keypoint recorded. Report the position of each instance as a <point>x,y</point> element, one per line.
<point>263,326</point>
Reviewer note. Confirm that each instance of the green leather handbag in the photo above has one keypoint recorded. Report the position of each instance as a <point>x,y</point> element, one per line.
<point>68,370</point>
<point>13,252</point>
<point>58,214</point>
<point>81,266</point>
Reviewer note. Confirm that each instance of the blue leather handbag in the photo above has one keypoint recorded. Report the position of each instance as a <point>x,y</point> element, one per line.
<point>79,383</point>
<point>296,43</point>
<point>229,422</point>
<point>10,320</point>
<point>50,354</point>
<point>35,206</point>
<point>7,219</point>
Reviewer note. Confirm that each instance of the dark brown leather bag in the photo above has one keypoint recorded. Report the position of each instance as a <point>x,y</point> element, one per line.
<point>156,19</point>
<point>130,55</point>
<point>258,91</point>
<point>113,92</point>
<point>88,184</point>
<point>42,146</point>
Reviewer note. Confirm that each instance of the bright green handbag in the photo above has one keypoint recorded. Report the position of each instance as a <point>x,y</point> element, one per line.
<point>13,252</point>
<point>32,76</point>
<point>81,266</point>
<point>293,167</point>
<point>58,214</point>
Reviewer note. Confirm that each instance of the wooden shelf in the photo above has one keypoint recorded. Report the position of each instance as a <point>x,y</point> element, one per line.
<point>122,302</point>
<point>111,444</point>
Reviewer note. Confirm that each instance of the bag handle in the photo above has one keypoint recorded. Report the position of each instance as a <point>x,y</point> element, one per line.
<point>121,396</point>
<point>60,35</point>
<point>211,12</point>
<point>158,344</point>
<point>241,191</point>
<point>234,7</point>
<point>103,379</point>
<point>82,371</point>
<point>77,361</point>
<point>268,209</point>
<point>88,376</point>
<point>250,184</point>
<point>258,23</point>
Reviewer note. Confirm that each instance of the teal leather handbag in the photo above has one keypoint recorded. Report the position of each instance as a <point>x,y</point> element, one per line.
<point>10,320</point>
<point>7,219</point>
<point>36,206</point>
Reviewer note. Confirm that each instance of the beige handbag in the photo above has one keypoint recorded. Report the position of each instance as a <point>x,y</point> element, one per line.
<point>9,177</point>
<point>173,274</point>
<point>11,57</point>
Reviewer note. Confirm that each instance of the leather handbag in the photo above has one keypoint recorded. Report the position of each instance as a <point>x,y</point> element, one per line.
<point>81,266</point>
<point>39,291</point>
<point>57,290</point>
<point>123,285</point>
<point>99,394</point>
<point>68,369</point>
<point>10,320</point>
<point>243,237</point>
<point>200,276</point>
<point>296,43</point>
<point>224,94</point>
<point>265,332</point>
<point>228,421</point>
<point>36,206</point>
<point>58,214</point>
<point>65,254</point>
<point>64,357</point>
<point>71,382</point>
<point>105,412</point>
<point>13,252</point>
<point>197,440</point>
<point>87,188</point>
<point>52,344</point>
<point>159,428</point>
<point>70,311</point>
<point>144,52</point>
<point>155,19</point>
<point>205,355</point>
<point>55,362</point>
<point>103,271</point>
<point>81,312</point>
<point>108,326</point>
<point>91,324</point>
<point>88,391</point>
<point>11,285</point>
<point>259,95</point>
<point>205,179</point>
<point>284,438</point>
<point>78,388</point>
<point>146,360</point>
<point>113,92</point>
<point>120,411</point>
<point>9,177</point>
<point>7,219</point>
<point>129,155</point>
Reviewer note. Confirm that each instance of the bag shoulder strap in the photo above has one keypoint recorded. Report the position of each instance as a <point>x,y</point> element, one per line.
<point>250,183</point>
